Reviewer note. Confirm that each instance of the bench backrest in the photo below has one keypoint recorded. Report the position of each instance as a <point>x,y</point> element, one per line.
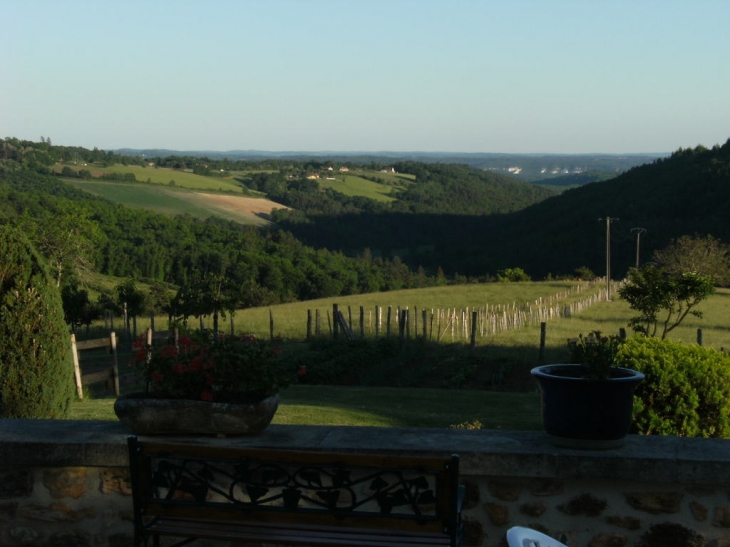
<point>338,489</point>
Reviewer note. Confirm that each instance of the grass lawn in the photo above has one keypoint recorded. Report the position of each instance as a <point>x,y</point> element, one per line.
<point>391,407</point>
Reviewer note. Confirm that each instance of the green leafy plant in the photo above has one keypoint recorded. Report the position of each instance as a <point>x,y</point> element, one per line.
<point>35,356</point>
<point>656,291</point>
<point>239,369</point>
<point>595,352</point>
<point>686,391</point>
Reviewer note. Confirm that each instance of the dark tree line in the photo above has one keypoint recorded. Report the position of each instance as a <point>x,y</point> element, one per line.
<point>258,267</point>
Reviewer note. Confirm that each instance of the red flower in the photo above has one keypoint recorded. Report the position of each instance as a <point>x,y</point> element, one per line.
<point>302,370</point>
<point>179,368</point>
<point>169,351</point>
<point>276,350</point>
<point>141,355</point>
<point>157,377</point>
<point>206,395</point>
<point>196,364</point>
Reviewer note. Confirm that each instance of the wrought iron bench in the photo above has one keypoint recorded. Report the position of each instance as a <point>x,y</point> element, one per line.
<point>283,497</point>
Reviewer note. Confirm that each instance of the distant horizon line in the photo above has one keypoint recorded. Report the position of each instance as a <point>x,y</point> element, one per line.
<point>380,152</point>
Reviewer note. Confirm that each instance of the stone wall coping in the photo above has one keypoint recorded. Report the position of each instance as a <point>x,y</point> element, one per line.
<point>69,443</point>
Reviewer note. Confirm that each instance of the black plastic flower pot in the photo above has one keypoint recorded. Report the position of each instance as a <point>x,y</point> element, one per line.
<point>580,412</point>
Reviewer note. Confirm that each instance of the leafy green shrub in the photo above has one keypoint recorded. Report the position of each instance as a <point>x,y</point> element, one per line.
<point>686,391</point>
<point>36,378</point>
<point>329,361</point>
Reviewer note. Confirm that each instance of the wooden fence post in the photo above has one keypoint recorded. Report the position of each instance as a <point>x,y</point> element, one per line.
<point>699,337</point>
<point>541,354</point>
<point>473,329</point>
<point>362,322</point>
<point>335,325</point>
<point>317,323</point>
<point>271,324</point>
<point>424,313</point>
<point>377,321</point>
<point>309,324</point>
<point>402,328</point>
<point>77,368</point>
<point>115,373</point>
<point>387,325</point>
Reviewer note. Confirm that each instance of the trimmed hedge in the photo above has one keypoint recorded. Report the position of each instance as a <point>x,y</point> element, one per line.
<point>686,391</point>
<point>36,370</point>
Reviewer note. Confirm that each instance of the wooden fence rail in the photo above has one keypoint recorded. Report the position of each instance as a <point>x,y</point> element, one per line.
<point>460,324</point>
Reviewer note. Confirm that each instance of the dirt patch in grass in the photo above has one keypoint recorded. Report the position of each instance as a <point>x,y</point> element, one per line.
<point>258,207</point>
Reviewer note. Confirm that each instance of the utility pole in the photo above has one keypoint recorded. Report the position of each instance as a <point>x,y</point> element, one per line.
<point>638,231</point>
<point>608,256</point>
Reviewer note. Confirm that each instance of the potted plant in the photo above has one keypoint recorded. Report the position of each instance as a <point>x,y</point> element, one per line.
<point>588,404</point>
<point>224,386</point>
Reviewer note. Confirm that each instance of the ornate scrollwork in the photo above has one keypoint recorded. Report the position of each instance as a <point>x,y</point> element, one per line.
<point>327,488</point>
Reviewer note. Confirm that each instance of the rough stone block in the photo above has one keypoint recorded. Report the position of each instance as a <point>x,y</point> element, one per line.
<point>533,508</point>
<point>56,512</point>
<point>545,487</point>
<point>722,516</point>
<point>116,480</point>
<point>628,522</point>
<point>655,502</point>
<point>473,532</point>
<point>24,535</point>
<point>699,511</point>
<point>471,495</point>
<point>505,491</point>
<point>608,540</point>
<point>121,540</point>
<point>67,482</point>
<point>670,533</point>
<point>70,538</point>
<point>15,483</point>
<point>584,504</point>
<point>498,514</point>
<point>8,511</point>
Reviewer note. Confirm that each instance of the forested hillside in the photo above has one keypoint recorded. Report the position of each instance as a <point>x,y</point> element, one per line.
<point>79,231</point>
<point>447,222</point>
<point>687,193</point>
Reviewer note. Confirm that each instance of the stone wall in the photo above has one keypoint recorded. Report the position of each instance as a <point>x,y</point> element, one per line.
<point>66,483</point>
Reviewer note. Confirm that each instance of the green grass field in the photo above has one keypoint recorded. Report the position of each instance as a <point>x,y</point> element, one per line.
<point>353,185</point>
<point>387,407</point>
<point>165,200</point>
<point>164,176</point>
<point>380,406</point>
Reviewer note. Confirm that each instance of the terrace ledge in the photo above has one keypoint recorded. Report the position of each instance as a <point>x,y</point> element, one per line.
<point>69,443</point>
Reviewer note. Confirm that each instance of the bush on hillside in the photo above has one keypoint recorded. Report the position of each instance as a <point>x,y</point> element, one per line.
<point>686,391</point>
<point>36,379</point>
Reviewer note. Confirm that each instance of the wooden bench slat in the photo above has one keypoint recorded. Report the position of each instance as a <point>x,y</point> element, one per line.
<point>305,535</point>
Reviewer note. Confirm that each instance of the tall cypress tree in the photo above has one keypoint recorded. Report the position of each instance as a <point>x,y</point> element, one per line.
<point>36,371</point>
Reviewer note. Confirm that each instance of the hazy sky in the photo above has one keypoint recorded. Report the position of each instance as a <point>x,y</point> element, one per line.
<point>580,76</point>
